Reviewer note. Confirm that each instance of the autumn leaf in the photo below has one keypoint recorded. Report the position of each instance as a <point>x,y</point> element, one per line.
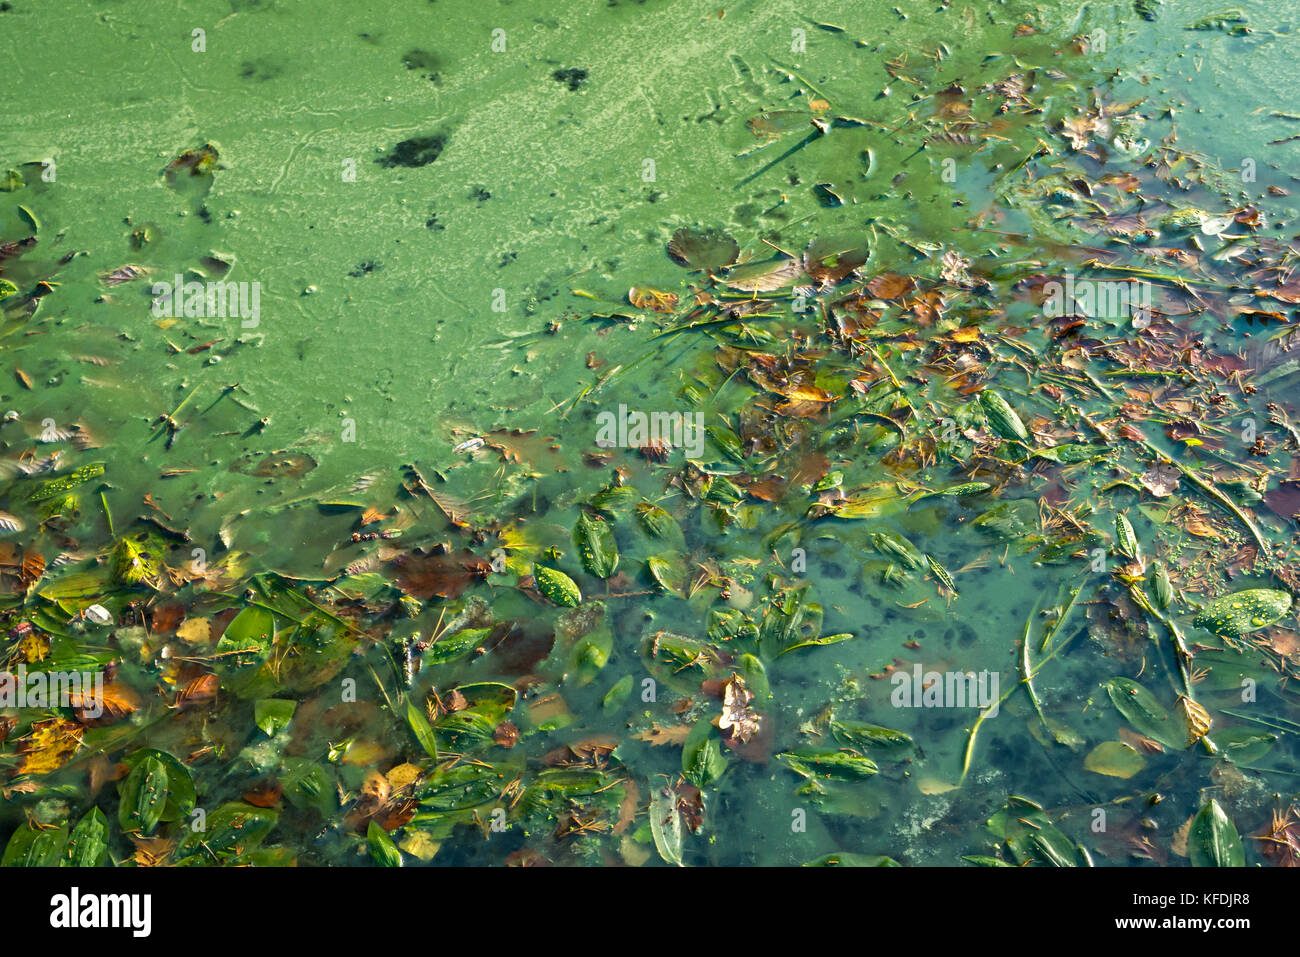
<point>737,716</point>
<point>658,734</point>
<point>116,702</point>
<point>195,631</point>
<point>49,745</point>
<point>643,297</point>
<point>1195,717</point>
<point>890,285</point>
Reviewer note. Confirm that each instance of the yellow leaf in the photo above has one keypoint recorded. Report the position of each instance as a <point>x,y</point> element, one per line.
<point>1195,717</point>
<point>49,745</point>
<point>420,844</point>
<point>195,631</point>
<point>34,647</point>
<point>402,775</point>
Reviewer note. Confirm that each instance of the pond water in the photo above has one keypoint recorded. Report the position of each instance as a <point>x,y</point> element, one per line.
<point>441,208</point>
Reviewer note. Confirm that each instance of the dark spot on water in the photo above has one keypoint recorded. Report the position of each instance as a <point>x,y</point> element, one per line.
<point>420,60</point>
<point>574,76</point>
<point>260,70</point>
<point>415,152</point>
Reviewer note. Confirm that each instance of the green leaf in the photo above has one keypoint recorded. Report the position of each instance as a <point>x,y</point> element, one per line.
<point>1244,611</point>
<point>382,849</point>
<point>181,796</point>
<point>828,764</point>
<point>55,487</point>
<point>1002,419</point>
<point>1114,759</point>
<point>143,795</point>
<point>666,825</point>
<point>1145,712</point>
<point>1125,538</point>
<point>659,524</point>
<point>617,695</point>
<point>816,642</point>
<point>273,714</point>
<point>32,847</point>
<point>863,736</point>
<point>702,760</point>
<point>1213,840</point>
<point>247,640</point>
<point>590,654</point>
<point>231,831</point>
<point>557,586</point>
<point>132,564</point>
<point>453,646</point>
<point>415,717</point>
<point>594,540</point>
<point>88,843</point>
<point>670,572</point>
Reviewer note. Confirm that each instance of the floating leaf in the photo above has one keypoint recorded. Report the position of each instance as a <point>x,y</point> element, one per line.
<point>382,849</point>
<point>1114,759</point>
<point>1195,718</point>
<point>666,825</point>
<point>557,586</point>
<point>595,543</point>
<point>1244,611</point>
<point>707,249</point>
<point>456,645</point>
<point>1125,539</point>
<point>670,572</point>
<point>1001,417</point>
<point>88,843</point>
<point>1144,711</point>
<point>143,795</point>
<point>828,764</point>
<point>273,714</point>
<point>702,760</point>
<point>1213,840</point>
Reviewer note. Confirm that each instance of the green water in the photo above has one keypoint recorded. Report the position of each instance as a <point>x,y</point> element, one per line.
<point>414,308</point>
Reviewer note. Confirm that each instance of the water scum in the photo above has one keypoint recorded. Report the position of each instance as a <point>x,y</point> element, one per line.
<point>887,459</point>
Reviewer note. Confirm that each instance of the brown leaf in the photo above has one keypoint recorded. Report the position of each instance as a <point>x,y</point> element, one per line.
<point>116,703</point>
<point>506,734</point>
<point>657,734</point>
<point>1161,479</point>
<point>890,285</point>
<point>199,691</point>
<point>265,794</point>
<point>445,575</point>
